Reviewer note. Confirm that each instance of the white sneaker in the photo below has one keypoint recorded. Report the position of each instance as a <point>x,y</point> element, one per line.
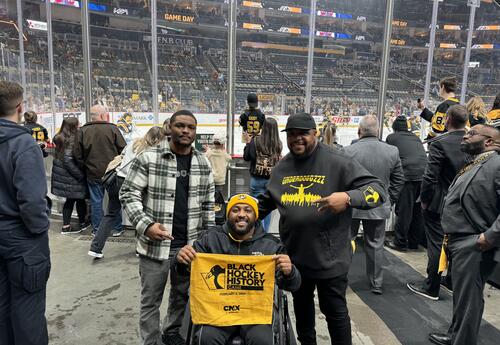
<point>95,254</point>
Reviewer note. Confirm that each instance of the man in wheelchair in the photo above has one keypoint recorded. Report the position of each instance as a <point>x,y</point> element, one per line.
<point>242,234</point>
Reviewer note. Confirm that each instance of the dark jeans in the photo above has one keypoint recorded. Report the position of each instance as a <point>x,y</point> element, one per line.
<point>435,235</point>
<point>112,217</point>
<point>81,210</point>
<point>24,271</point>
<point>332,303</point>
<point>409,226</point>
<point>258,186</point>
<point>251,334</point>
<point>471,269</point>
<point>96,190</point>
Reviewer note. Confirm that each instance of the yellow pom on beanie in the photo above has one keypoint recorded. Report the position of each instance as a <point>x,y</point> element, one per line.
<point>243,199</point>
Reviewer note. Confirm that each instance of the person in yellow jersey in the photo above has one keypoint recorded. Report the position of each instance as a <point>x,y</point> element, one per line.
<point>494,114</point>
<point>447,88</point>
<point>38,132</point>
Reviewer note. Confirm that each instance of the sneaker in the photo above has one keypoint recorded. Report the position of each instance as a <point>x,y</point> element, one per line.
<point>422,292</point>
<point>70,230</point>
<point>376,290</point>
<point>173,339</point>
<point>118,233</point>
<point>84,226</point>
<point>96,255</point>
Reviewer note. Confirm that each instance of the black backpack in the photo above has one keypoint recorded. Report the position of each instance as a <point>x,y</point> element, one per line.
<point>220,208</point>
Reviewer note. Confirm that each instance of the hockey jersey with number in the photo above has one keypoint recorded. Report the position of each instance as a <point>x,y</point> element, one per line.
<point>438,119</point>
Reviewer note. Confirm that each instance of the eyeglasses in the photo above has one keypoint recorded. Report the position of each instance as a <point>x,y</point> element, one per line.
<point>473,132</point>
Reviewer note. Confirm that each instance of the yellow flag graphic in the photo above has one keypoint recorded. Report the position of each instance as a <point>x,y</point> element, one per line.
<point>230,290</point>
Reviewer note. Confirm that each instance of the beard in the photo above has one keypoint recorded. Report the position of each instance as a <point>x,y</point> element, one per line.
<point>241,232</point>
<point>473,148</point>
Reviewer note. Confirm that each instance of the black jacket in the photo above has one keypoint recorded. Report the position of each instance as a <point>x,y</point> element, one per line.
<point>319,244</point>
<point>444,161</point>
<point>473,202</point>
<point>23,191</point>
<point>98,142</point>
<point>218,241</point>
<point>411,152</point>
<point>68,181</point>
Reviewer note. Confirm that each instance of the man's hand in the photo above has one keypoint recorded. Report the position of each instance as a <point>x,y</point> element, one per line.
<point>186,254</point>
<point>336,202</point>
<point>483,244</point>
<point>424,205</point>
<point>157,232</point>
<point>283,263</point>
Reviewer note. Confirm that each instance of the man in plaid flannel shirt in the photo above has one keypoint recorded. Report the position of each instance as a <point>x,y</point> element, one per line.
<point>168,196</point>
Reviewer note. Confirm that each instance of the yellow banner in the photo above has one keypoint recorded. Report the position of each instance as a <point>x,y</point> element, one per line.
<point>252,26</point>
<point>230,290</point>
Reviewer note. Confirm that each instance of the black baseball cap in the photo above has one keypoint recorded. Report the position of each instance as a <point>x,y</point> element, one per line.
<point>252,98</point>
<point>300,121</point>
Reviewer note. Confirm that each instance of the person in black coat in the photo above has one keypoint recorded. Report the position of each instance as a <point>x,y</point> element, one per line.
<point>471,221</point>
<point>444,161</point>
<point>408,229</point>
<point>68,181</point>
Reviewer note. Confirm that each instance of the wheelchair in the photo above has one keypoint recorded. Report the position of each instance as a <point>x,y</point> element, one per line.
<point>282,326</point>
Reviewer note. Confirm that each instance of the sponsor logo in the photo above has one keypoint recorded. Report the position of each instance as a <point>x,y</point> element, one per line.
<point>120,11</point>
<point>234,277</point>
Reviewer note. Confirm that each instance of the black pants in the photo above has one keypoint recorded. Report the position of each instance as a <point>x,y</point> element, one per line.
<point>409,227</point>
<point>251,334</point>
<point>434,233</point>
<point>332,303</point>
<point>471,269</point>
<point>81,210</point>
<point>24,271</point>
<point>109,220</point>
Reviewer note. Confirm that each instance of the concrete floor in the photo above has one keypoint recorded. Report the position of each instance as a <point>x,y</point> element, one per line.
<point>97,301</point>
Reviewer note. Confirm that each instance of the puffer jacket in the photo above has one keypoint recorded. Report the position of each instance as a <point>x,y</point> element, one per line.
<point>68,181</point>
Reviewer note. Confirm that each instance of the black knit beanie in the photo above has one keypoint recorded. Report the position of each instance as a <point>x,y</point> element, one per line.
<point>400,124</point>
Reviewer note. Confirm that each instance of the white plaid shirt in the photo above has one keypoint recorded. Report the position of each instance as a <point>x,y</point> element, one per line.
<point>148,196</point>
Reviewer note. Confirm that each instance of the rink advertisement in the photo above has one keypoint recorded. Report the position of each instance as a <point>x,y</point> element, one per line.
<point>228,290</point>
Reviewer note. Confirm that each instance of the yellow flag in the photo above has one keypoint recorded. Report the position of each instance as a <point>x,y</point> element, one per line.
<point>443,260</point>
<point>229,290</point>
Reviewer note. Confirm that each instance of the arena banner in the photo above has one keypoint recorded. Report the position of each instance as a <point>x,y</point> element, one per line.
<point>252,26</point>
<point>229,290</point>
<point>252,4</point>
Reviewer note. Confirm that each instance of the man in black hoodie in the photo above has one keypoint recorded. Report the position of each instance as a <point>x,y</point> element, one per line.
<point>24,222</point>
<point>315,188</point>
<point>241,235</point>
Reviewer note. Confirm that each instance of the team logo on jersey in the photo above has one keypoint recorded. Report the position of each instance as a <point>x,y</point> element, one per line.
<point>300,190</point>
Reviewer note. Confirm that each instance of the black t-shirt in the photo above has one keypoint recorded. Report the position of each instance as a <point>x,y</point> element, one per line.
<point>179,227</point>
